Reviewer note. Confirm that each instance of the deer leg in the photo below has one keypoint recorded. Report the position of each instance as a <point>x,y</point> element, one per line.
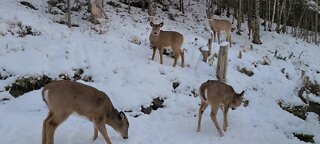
<point>102,129</point>
<point>161,54</point>
<point>214,119</point>
<point>154,52</point>
<point>44,127</point>
<point>95,132</point>
<point>249,33</point>
<point>202,108</point>
<point>181,51</point>
<point>176,56</point>
<point>52,125</point>
<point>225,118</point>
<point>252,33</point>
<point>215,35</point>
<point>221,107</point>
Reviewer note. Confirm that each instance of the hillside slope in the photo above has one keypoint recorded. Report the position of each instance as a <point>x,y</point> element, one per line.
<point>125,72</point>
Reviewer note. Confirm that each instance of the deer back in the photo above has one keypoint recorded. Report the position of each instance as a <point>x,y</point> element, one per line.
<point>160,38</point>
<point>72,97</point>
<point>220,93</point>
<point>220,25</point>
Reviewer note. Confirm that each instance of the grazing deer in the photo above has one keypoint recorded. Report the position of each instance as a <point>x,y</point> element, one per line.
<point>160,39</point>
<point>205,54</point>
<point>251,26</point>
<point>217,26</point>
<point>67,97</point>
<point>218,94</point>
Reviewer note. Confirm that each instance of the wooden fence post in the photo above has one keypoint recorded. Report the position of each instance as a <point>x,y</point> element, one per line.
<point>222,62</point>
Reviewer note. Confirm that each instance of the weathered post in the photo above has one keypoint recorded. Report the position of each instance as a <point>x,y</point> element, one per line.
<point>222,62</point>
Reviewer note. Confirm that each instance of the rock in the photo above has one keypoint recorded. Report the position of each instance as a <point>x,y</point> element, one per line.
<point>146,110</point>
<point>24,85</point>
<point>175,84</point>
<point>246,71</point>
<point>314,107</point>
<point>304,137</point>
<point>28,4</point>
<point>157,103</point>
<point>87,78</point>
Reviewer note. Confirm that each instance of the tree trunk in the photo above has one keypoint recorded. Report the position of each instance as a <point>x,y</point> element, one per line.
<point>181,6</point>
<point>69,13</point>
<point>273,13</point>
<point>218,11</point>
<point>239,18</point>
<point>143,5</point>
<point>269,13</point>
<point>280,16</point>
<point>316,26</point>
<point>256,38</point>
<point>283,28</point>
<point>266,17</point>
<point>129,6</point>
<point>228,8</point>
<point>150,11</point>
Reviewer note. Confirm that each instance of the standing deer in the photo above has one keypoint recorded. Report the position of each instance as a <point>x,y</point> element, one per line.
<point>218,94</point>
<point>64,98</point>
<point>217,26</point>
<point>160,39</point>
<point>251,26</point>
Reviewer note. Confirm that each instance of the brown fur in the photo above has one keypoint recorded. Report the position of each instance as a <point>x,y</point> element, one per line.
<point>218,94</point>
<point>217,26</point>
<point>160,39</point>
<point>66,97</point>
<point>251,26</point>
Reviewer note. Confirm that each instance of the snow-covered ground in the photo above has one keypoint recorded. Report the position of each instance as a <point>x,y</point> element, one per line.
<point>125,72</point>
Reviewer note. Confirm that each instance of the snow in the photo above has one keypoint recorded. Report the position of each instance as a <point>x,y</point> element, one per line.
<point>125,72</point>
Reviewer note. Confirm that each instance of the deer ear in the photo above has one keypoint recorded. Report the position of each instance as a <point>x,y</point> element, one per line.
<point>122,115</point>
<point>161,24</point>
<point>151,24</point>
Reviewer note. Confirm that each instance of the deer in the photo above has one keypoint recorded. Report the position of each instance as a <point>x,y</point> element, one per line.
<point>218,25</point>
<point>251,26</point>
<point>218,94</point>
<point>160,40</point>
<point>64,98</point>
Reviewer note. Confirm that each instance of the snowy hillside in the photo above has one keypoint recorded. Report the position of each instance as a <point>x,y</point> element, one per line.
<point>116,55</point>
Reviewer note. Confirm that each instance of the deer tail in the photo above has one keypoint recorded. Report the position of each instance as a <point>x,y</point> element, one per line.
<point>203,92</point>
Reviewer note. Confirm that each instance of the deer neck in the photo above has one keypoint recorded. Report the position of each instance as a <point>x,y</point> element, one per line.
<point>154,39</point>
<point>112,117</point>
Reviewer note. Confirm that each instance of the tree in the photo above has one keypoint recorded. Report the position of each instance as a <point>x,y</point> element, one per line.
<point>280,15</point>
<point>273,13</point>
<point>256,37</point>
<point>181,6</point>
<point>143,5</point>
<point>239,18</point>
<point>283,28</point>
<point>316,25</point>
<point>150,11</point>
<point>69,13</point>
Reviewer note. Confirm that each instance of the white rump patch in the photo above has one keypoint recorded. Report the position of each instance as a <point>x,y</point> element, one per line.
<point>46,94</point>
<point>206,94</point>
